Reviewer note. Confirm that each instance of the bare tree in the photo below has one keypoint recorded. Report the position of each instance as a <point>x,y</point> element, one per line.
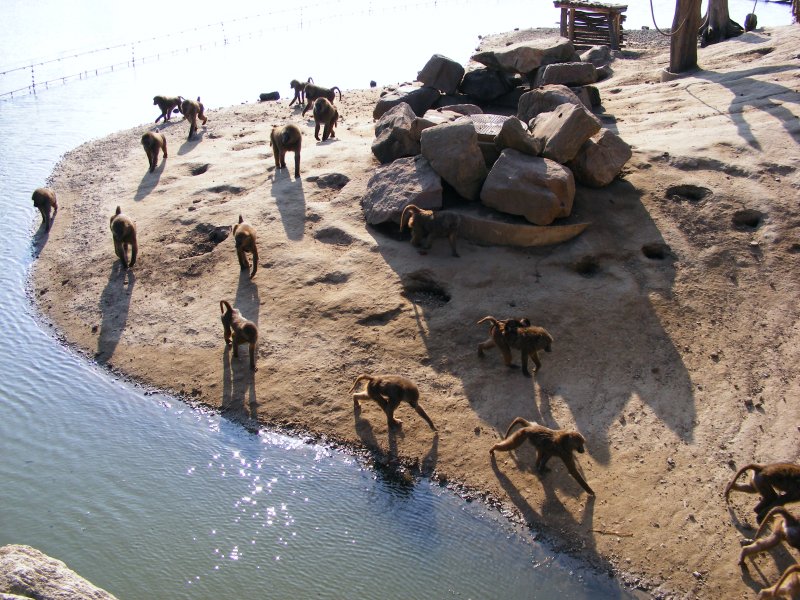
<point>717,25</point>
<point>683,45</point>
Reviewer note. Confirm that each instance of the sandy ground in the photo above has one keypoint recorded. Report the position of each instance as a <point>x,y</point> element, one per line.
<point>675,314</point>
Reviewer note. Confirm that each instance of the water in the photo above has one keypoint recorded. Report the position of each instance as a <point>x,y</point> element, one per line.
<point>142,494</point>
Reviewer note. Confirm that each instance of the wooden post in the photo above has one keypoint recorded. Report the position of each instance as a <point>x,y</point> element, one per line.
<point>564,17</point>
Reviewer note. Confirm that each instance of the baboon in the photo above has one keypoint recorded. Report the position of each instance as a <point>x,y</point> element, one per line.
<point>168,105</point>
<point>325,114</point>
<point>389,391</point>
<point>239,330</point>
<point>528,339</point>
<point>427,225</point>
<point>316,91</point>
<point>299,88</point>
<point>548,442</point>
<point>44,199</point>
<point>497,332</point>
<point>287,138</point>
<point>787,587</point>
<point>245,237</point>
<point>153,141</point>
<point>193,110</point>
<point>787,529</point>
<point>766,479</point>
<point>123,230</point>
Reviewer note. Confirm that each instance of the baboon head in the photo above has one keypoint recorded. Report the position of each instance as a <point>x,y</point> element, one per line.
<point>574,441</point>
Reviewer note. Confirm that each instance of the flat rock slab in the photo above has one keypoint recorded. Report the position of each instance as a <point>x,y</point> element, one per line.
<point>485,226</point>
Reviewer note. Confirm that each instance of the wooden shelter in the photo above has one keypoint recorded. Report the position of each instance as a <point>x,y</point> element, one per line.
<point>592,23</point>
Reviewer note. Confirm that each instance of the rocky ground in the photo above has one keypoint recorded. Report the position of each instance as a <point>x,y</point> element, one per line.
<point>675,314</point>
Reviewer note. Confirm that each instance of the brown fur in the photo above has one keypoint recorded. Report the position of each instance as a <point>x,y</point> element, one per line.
<point>766,479</point>
<point>787,529</point>
<point>168,105</point>
<point>316,91</point>
<point>389,391</point>
<point>786,588</point>
<point>426,225</point>
<point>152,142</point>
<point>245,237</point>
<point>123,231</point>
<point>327,115</point>
<point>287,138</point>
<point>299,88</point>
<point>193,110</point>
<point>527,339</point>
<point>497,332</point>
<point>44,199</point>
<point>238,330</point>
<point>548,442</point>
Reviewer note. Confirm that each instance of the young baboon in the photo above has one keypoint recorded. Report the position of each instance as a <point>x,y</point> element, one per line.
<point>528,339</point>
<point>786,529</point>
<point>497,333</point>
<point>786,588</point>
<point>299,88</point>
<point>168,105</point>
<point>44,199</point>
<point>287,138</point>
<point>325,114</point>
<point>238,330</point>
<point>389,391</point>
<point>193,110</point>
<point>426,225</point>
<point>548,442</point>
<point>245,237</point>
<point>123,230</point>
<point>766,479</point>
<point>316,91</point>
<point>153,141</point>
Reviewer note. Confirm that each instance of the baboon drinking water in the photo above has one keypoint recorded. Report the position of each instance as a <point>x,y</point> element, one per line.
<point>327,115</point>
<point>389,391</point>
<point>244,235</point>
<point>152,142</point>
<point>287,138</point>
<point>427,225</point>
<point>123,231</point>
<point>238,330</point>
<point>44,199</point>
<point>168,105</point>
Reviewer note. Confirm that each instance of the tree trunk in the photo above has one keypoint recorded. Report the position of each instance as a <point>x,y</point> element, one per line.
<point>683,44</point>
<point>717,24</point>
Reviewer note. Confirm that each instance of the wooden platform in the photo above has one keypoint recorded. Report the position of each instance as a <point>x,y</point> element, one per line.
<point>592,23</point>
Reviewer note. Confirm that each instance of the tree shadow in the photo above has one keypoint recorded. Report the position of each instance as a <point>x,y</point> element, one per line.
<point>114,305</point>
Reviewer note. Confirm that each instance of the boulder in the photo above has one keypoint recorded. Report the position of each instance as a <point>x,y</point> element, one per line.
<point>544,99</point>
<point>419,97</point>
<point>409,180</point>
<point>396,134</point>
<point>452,149</point>
<point>27,572</point>
<point>564,130</point>
<point>484,85</point>
<point>569,74</point>
<point>539,189</point>
<point>441,73</point>
<point>525,57</point>
<point>438,116</point>
<point>267,96</point>
<point>597,55</point>
<point>462,109</point>
<point>514,134</point>
<point>600,159</point>
<point>589,95</point>
<point>446,100</point>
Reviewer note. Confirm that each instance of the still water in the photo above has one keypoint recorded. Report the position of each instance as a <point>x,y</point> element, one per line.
<point>140,493</point>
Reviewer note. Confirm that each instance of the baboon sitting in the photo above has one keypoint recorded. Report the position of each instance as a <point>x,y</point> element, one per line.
<point>238,330</point>
<point>426,225</point>
<point>325,114</point>
<point>766,479</point>
<point>548,442</point>
<point>389,391</point>
<point>786,588</point>
<point>299,88</point>
<point>287,138</point>
<point>123,230</point>
<point>245,237</point>
<point>193,110</point>
<point>168,105</point>
<point>44,199</point>
<point>528,339</point>
<point>153,141</point>
<point>786,529</point>
<point>497,333</point>
<point>316,91</point>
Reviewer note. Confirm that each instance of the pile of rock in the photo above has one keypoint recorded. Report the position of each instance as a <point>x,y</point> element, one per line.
<point>521,164</point>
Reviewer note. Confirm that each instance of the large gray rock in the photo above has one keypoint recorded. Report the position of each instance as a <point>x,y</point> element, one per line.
<point>524,57</point>
<point>27,572</point>
<point>514,134</point>
<point>419,97</point>
<point>452,149</point>
<point>397,134</point>
<point>597,55</point>
<point>564,130</point>
<point>484,85</point>
<point>600,159</point>
<point>545,99</point>
<point>570,74</point>
<point>539,189</point>
<point>408,180</point>
<point>441,73</point>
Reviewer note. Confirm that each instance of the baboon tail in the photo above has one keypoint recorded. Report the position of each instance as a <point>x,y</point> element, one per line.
<point>775,510</point>
<point>359,379</point>
<point>408,210</point>
<point>489,319</point>
<point>521,421</point>
<point>223,306</point>
<point>338,90</point>
<point>751,467</point>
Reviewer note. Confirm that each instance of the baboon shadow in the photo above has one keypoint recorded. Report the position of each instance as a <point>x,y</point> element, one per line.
<point>150,180</point>
<point>291,201</point>
<point>247,299</point>
<point>189,145</point>
<point>114,305</point>
<point>239,401</point>
<point>40,238</point>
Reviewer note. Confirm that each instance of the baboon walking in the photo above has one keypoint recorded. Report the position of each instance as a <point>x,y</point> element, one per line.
<point>287,138</point>
<point>527,339</point>
<point>193,110</point>
<point>766,480</point>
<point>152,142</point>
<point>168,105</point>
<point>325,114</point>
<point>238,330</point>
<point>244,235</point>
<point>389,391</point>
<point>427,225</point>
<point>123,231</point>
